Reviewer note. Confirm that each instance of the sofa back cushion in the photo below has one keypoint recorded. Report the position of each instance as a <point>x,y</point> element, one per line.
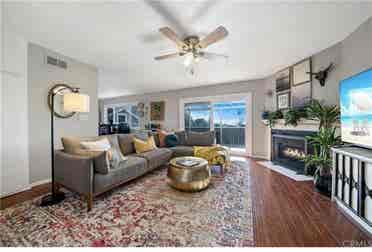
<point>181,137</point>
<point>155,135</point>
<point>126,143</point>
<point>200,138</point>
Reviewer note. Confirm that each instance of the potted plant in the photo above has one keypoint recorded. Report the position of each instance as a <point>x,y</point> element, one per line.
<point>293,116</point>
<point>322,143</point>
<point>273,117</point>
<point>326,115</point>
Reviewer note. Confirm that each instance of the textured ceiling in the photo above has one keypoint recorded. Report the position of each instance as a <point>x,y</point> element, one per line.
<point>121,38</point>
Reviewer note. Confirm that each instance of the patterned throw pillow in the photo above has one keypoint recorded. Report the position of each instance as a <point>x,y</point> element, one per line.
<point>144,146</point>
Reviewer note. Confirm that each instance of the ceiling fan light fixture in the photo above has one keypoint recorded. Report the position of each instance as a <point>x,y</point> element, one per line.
<point>191,46</point>
<point>189,59</point>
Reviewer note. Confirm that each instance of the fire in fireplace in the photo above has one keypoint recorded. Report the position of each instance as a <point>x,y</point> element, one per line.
<point>289,147</point>
<point>294,153</point>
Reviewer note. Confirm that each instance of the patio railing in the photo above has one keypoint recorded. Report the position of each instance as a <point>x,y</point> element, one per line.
<point>233,137</point>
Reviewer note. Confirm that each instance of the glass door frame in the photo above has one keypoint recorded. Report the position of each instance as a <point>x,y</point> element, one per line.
<point>247,97</point>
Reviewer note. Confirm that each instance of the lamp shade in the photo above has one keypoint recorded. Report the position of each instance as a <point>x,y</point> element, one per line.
<point>75,102</point>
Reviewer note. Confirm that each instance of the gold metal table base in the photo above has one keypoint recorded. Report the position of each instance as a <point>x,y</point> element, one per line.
<point>189,179</point>
<point>194,186</point>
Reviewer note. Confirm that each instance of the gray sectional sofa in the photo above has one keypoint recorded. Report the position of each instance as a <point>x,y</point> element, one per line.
<point>79,173</point>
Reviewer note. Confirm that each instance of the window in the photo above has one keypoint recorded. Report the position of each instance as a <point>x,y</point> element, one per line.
<point>197,116</point>
<point>229,116</point>
<point>122,113</point>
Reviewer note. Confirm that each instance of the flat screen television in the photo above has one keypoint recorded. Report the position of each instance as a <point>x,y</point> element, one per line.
<point>356,109</point>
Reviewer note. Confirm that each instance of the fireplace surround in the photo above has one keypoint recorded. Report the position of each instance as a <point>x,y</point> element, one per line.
<point>288,147</point>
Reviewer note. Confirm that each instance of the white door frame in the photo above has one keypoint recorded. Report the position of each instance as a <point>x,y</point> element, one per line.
<point>247,97</point>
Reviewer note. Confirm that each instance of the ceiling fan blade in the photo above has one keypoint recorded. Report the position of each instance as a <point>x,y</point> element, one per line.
<point>167,56</point>
<point>213,37</point>
<point>169,33</point>
<point>212,56</point>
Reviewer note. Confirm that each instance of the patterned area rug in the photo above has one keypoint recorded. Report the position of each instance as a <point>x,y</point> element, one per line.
<point>146,212</point>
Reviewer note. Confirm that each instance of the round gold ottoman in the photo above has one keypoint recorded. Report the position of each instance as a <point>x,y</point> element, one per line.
<point>189,179</point>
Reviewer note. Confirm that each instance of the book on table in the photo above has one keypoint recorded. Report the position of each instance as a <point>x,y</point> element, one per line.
<point>187,162</point>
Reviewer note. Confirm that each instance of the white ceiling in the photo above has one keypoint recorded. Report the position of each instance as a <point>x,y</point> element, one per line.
<point>121,38</point>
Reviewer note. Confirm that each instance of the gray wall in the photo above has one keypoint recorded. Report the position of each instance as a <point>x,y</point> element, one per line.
<point>172,99</point>
<point>357,51</point>
<point>351,56</point>
<point>41,78</point>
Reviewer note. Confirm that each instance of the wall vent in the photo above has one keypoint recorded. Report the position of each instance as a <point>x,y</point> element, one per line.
<point>56,62</point>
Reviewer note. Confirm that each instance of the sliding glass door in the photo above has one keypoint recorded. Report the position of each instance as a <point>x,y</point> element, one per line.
<point>229,120</point>
<point>198,116</point>
<point>226,115</point>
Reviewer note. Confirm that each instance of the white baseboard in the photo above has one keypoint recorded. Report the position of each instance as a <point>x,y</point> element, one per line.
<point>29,187</point>
<point>40,182</point>
<point>3,195</point>
<point>355,217</point>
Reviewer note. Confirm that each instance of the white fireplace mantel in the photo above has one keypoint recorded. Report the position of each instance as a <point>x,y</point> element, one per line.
<point>303,125</point>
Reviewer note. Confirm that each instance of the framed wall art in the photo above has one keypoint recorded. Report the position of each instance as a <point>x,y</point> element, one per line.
<point>283,100</point>
<point>157,111</point>
<point>301,95</point>
<point>301,72</point>
<point>283,80</point>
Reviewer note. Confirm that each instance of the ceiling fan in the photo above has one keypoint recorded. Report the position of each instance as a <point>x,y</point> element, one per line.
<point>192,46</point>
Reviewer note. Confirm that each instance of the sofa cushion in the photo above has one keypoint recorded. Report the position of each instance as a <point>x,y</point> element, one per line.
<point>126,143</point>
<point>181,137</point>
<point>182,151</point>
<point>132,168</point>
<point>156,138</point>
<point>200,138</point>
<point>156,157</point>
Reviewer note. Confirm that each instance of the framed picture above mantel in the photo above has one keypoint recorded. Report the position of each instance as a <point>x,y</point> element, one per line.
<point>294,85</point>
<point>283,100</point>
<point>283,80</point>
<point>301,72</point>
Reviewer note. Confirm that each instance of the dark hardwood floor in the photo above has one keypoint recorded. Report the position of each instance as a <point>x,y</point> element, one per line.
<point>286,212</point>
<point>290,213</point>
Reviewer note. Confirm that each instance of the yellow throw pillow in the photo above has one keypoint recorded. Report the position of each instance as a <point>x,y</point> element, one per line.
<point>144,146</point>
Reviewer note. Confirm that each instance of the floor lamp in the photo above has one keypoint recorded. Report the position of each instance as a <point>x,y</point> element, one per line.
<point>72,102</point>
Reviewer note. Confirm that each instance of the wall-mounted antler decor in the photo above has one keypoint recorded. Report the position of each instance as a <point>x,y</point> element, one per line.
<point>322,75</point>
